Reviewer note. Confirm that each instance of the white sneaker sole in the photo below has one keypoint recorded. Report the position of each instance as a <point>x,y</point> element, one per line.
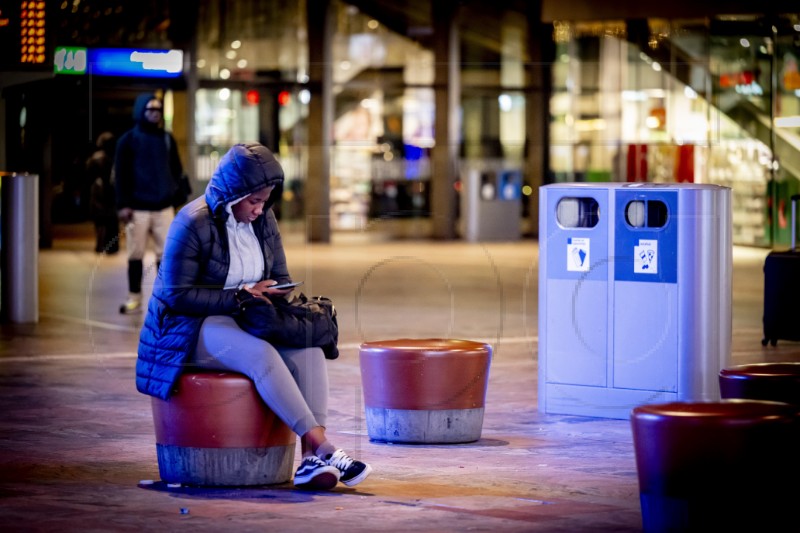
<point>322,479</point>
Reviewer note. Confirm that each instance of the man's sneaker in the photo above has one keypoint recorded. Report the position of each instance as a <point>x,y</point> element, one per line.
<point>132,304</point>
<point>314,474</point>
<point>352,472</point>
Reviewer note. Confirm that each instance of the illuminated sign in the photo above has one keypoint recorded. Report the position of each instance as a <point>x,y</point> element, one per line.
<point>70,60</point>
<point>135,62</point>
<point>118,62</point>
<point>24,38</point>
<point>731,80</point>
<point>32,33</point>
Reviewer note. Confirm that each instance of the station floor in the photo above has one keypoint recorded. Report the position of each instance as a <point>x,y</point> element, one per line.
<point>77,446</point>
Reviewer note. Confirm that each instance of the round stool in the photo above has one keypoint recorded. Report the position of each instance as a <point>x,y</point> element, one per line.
<point>778,382</point>
<point>730,465</point>
<point>216,430</point>
<point>424,390</point>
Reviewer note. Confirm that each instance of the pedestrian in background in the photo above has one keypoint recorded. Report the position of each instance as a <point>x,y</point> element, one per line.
<point>102,203</point>
<point>147,171</point>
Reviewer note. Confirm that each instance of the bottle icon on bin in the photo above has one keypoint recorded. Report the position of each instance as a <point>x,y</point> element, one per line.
<point>578,254</point>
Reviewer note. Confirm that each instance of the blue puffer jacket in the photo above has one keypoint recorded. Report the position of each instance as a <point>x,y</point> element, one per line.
<point>190,281</point>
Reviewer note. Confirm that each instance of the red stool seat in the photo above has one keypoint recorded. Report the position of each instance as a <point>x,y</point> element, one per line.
<point>216,430</point>
<point>777,382</point>
<point>717,466</point>
<point>424,390</point>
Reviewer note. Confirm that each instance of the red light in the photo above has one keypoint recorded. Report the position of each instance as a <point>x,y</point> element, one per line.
<point>284,97</point>
<point>253,97</point>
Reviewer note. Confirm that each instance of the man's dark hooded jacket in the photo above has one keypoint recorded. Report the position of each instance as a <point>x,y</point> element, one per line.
<point>147,165</point>
<point>194,268</point>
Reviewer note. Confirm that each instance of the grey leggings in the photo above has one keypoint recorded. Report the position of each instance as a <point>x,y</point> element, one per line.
<point>292,381</point>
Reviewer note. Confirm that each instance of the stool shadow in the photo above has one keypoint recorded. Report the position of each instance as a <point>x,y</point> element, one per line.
<point>480,443</point>
<point>279,493</point>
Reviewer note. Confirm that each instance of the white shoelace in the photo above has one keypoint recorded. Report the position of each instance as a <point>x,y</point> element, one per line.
<point>340,460</point>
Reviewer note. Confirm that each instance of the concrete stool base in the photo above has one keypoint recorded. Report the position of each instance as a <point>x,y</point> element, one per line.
<point>412,426</point>
<point>216,430</point>
<point>225,466</point>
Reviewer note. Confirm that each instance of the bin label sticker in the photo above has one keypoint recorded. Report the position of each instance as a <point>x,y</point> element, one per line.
<point>645,257</point>
<point>578,254</point>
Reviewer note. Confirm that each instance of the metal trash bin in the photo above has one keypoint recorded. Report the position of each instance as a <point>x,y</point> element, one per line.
<point>634,295</point>
<point>19,248</point>
<point>491,205</point>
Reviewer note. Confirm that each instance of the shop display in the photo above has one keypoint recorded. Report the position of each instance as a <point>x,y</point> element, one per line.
<point>742,166</point>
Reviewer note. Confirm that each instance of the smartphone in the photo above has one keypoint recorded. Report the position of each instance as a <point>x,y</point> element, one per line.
<point>286,285</point>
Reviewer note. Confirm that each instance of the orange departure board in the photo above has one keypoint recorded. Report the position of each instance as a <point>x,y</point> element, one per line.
<point>25,40</point>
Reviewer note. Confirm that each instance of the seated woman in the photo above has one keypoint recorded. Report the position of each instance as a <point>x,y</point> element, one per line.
<point>223,249</point>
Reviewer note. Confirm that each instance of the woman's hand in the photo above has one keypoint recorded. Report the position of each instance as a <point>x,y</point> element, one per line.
<point>264,289</point>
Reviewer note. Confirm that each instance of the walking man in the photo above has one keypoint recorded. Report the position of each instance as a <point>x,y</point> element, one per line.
<point>147,170</point>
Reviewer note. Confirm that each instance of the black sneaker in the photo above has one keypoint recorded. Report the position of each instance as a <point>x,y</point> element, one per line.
<point>352,472</point>
<point>314,474</point>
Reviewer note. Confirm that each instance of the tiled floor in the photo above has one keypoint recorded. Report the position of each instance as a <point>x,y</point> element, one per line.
<point>76,439</point>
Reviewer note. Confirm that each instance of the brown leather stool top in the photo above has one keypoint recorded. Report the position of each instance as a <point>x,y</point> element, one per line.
<point>425,373</point>
<point>778,382</point>
<point>217,410</point>
<point>717,466</point>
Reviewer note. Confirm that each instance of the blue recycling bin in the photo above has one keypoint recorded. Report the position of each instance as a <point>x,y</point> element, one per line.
<point>634,295</point>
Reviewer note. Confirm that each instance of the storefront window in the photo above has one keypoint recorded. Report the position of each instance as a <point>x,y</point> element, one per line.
<point>586,106</point>
<point>786,139</point>
<point>383,130</point>
<point>754,155</point>
<point>683,101</point>
<point>223,117</point>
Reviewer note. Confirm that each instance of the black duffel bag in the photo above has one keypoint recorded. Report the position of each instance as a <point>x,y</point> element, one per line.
<point>297,323</point>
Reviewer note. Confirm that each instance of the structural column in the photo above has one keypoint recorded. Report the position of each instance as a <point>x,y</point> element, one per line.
<point>320,120</point>
<point>541,51</point>
<point>447,90</point>
<point>192,86</point>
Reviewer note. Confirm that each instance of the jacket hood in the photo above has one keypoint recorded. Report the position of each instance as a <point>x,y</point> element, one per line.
<point>140,104</point>
<point>243,170</point>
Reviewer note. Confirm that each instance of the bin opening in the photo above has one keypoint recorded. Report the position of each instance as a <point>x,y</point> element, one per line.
<point>578,212</point>
<point>649,213</point>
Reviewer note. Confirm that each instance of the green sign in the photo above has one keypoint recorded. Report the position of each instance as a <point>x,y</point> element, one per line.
<point>70,60</point>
